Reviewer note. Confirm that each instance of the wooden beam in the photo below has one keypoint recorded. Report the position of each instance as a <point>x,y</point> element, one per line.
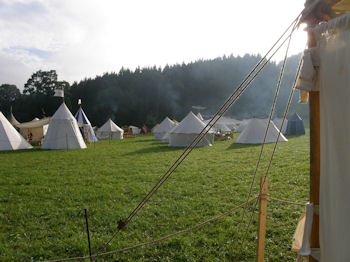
<point>260,249</point>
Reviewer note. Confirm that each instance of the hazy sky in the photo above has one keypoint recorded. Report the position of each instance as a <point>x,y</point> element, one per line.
<point>85,38</point>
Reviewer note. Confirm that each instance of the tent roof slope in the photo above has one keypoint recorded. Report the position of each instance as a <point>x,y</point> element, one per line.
<point>81,117</point>
<point>255,131</point>
<point>110,126</point>
<point>62,113</point>
<point>165,126</point>
<point>10,139</point>
<point>191,124</point>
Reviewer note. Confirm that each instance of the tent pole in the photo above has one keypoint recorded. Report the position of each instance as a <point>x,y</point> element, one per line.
<point>314,112</point>
<point>260,247</point>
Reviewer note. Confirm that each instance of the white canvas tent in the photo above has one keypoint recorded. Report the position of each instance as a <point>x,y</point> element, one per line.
<point>242,124</point>
<point>10,139</point>
<point>278,124</point>
<point>135,130</point>
<point>165,126</point>
<point>85,126</point>
<point>255,130</point>
<point>35,130</point>
<point>63,131</point>
<point>183,134</point>
<point>110,130</point>
<point>199,115</point>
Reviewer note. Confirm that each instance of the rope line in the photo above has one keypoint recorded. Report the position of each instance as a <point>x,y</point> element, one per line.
<point>159,239</point>
<point>285,201</point>
<point>273,152</point>
<point>228,103</point>
<point>265,135</point>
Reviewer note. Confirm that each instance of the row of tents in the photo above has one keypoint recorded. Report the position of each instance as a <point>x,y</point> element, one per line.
<point>252,131</point>
<point>61,131</point>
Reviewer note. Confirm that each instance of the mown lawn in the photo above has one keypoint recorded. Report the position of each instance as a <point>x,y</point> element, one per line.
<point>43,195</point>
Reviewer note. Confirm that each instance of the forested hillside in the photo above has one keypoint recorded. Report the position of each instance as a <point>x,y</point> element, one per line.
<point>147,95</point>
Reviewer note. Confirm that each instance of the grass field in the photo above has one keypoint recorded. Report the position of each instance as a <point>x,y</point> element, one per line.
<point>43,195</point>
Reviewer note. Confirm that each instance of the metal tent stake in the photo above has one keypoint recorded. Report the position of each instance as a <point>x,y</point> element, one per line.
<point>88,233</point>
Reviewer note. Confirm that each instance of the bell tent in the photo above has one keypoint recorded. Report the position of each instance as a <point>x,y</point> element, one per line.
<point>110,131</point>
<point>255,130</point>
<point>10,139</point>
<point>295,126</point>
<point>187,130</point>
<point>165,126</point>
<point>63,131</point>
<point>85,126</point>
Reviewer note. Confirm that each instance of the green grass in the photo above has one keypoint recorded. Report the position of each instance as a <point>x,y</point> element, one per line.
<point>43,195</point>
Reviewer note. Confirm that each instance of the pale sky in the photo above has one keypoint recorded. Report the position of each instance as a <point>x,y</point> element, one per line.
<point>85,38</point>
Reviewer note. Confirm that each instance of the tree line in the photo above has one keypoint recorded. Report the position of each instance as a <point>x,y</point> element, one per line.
<point>147,95</point>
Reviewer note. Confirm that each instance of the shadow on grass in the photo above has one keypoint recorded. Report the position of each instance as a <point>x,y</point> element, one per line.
<point>239,146</point>
<point>21,151</point>
<point>157,149</point>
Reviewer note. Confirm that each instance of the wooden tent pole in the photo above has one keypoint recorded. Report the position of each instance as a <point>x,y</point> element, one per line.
<point>314,112</point>
<point>260,248</point>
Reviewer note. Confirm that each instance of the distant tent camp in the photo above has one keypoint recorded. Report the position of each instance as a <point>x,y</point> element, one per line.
<point>110,130</point>
<point>10,139</point>
<point>135,130</point>
<point>295,126</point>
<point>278,123</point>
<point>63,131</point>
<point>183,134</point>
<point>255,130</point>
<point>35,130</point>
<point>165,126</point>
<point>85,126</point>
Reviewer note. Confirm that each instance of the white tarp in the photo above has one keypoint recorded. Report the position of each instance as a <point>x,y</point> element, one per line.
<point>110,130</point>
<point>34,130</point>
<point>333,42</point>
<point>63,131</point>
<point>183,134</point>
<point>135,130</point>
<point>164,127</point>
<point>10,139</point>
<point>255,130</point>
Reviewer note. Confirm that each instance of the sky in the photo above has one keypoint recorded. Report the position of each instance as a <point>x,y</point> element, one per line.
<point>84,38</point>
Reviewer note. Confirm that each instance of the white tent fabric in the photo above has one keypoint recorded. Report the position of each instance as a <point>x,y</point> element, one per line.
<point>333,40</point>
<point>63,131</point>
<point>183,134</point>
<point>242,125</point>
<point>110,130</point>
<point>255,130</point>
<point>278,124</point>
<point>165,126</point>
<point>166,137</point>
<point>34,130</point>
<point>10,139</point>
<point>85,126</point>
<point>135,130</point>
<point>199,115</point>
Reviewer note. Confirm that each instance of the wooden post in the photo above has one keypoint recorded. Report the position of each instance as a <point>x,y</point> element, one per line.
<point>260,249</point>
<point>314,112</point>
<point>314,101</point>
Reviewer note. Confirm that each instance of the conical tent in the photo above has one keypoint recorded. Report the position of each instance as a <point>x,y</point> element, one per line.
<point>10,139</point>
<point>110,131</point>
<point>278,123</point>
<point>63,131</point>
<point>165,126</point>
<point>199,115</point>
<point>187,131</point>
<point>255,131</point>
<point>295,126</point>
<point>85,126</point>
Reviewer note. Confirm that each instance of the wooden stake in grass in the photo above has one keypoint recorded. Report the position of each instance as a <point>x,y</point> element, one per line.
<point>260,249</point>
<point>88,233</point>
